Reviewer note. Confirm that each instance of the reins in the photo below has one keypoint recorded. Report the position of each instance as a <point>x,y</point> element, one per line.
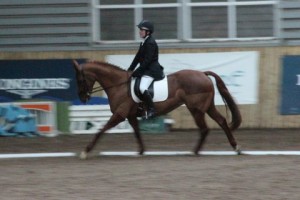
<point>100,88</point>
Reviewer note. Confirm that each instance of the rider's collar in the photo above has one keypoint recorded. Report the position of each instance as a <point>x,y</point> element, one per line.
<point>145,39</point>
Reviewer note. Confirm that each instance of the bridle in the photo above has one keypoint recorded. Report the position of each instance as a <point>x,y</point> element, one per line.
<point>98,88</point>
<point>84,85</point>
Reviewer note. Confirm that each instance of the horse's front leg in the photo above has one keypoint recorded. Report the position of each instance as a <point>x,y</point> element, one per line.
<point>135,125</point>
<point>114,120</point>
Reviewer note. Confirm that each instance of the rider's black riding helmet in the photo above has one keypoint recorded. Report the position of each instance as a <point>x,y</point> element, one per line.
<point>146,25</point>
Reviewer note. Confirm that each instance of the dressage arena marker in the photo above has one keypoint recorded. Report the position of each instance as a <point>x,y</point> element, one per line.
<point>151,153</point>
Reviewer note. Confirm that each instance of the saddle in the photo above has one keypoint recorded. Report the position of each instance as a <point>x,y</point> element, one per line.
<point>158,90</point>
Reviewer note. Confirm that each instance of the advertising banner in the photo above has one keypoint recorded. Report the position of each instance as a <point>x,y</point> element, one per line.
<point>290,87</point>
<point>28,118</point>
<point>51,79</point>
<point>239,70</point>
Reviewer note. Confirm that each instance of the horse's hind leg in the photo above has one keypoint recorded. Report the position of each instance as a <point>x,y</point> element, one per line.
<point>215,115</point>
<point>203,134</point>
<point>200,121</point>
<point>135,125</point>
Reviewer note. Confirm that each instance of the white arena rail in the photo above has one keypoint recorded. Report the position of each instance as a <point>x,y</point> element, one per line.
<point>88,119</point>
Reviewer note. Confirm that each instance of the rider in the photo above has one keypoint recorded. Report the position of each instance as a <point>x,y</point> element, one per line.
<point>149,68</point>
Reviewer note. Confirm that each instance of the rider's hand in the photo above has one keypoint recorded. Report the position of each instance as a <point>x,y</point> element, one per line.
<point>137,73</point>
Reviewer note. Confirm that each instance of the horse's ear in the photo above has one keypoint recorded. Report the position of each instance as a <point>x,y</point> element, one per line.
<point>75,65</point>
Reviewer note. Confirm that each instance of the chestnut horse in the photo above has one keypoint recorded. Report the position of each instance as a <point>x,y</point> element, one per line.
<point>192,88</point>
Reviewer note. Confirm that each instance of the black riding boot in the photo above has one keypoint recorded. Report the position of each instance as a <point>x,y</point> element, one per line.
<point>150,106</point>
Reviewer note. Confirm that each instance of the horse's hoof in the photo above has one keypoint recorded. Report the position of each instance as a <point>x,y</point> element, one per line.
<point>141,152</point>
<point>238,150</point>
<point>83,155</point>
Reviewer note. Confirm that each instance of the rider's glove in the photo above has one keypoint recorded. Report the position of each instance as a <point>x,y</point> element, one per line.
<point>137,73</point>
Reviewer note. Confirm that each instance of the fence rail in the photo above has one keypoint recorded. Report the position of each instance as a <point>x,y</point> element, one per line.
<point>89,119</point>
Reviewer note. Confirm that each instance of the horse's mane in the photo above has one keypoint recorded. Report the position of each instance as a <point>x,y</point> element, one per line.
<point>107,64</point>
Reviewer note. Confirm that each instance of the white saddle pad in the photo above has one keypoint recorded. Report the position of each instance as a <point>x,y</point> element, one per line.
<point>160,89</point>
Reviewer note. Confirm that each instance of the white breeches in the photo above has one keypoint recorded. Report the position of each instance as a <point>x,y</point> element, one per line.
<point>145,83</point>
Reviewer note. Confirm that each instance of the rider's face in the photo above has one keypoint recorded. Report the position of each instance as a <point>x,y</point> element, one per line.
<point>143,33</point>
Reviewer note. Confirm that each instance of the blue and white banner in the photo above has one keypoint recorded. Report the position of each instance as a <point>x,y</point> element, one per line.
<point>290,85</point>
<point>239,70</point>
<point>52,79</point>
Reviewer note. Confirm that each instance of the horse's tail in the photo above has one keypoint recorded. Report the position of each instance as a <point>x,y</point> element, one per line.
<point>228,100</point>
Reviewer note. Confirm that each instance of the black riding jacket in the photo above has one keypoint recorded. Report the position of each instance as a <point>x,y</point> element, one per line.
<point>147,57</point>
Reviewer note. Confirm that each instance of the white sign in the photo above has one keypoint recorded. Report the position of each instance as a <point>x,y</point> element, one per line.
<point>89,119</point>
<point>239,70</point>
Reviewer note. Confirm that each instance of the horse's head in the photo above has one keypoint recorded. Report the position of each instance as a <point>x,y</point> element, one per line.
<point>85,82</point>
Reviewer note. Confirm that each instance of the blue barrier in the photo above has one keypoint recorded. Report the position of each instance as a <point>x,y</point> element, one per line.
<point>17,121</point>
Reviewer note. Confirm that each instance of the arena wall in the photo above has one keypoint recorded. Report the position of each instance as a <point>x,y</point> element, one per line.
<point>265,114</point>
